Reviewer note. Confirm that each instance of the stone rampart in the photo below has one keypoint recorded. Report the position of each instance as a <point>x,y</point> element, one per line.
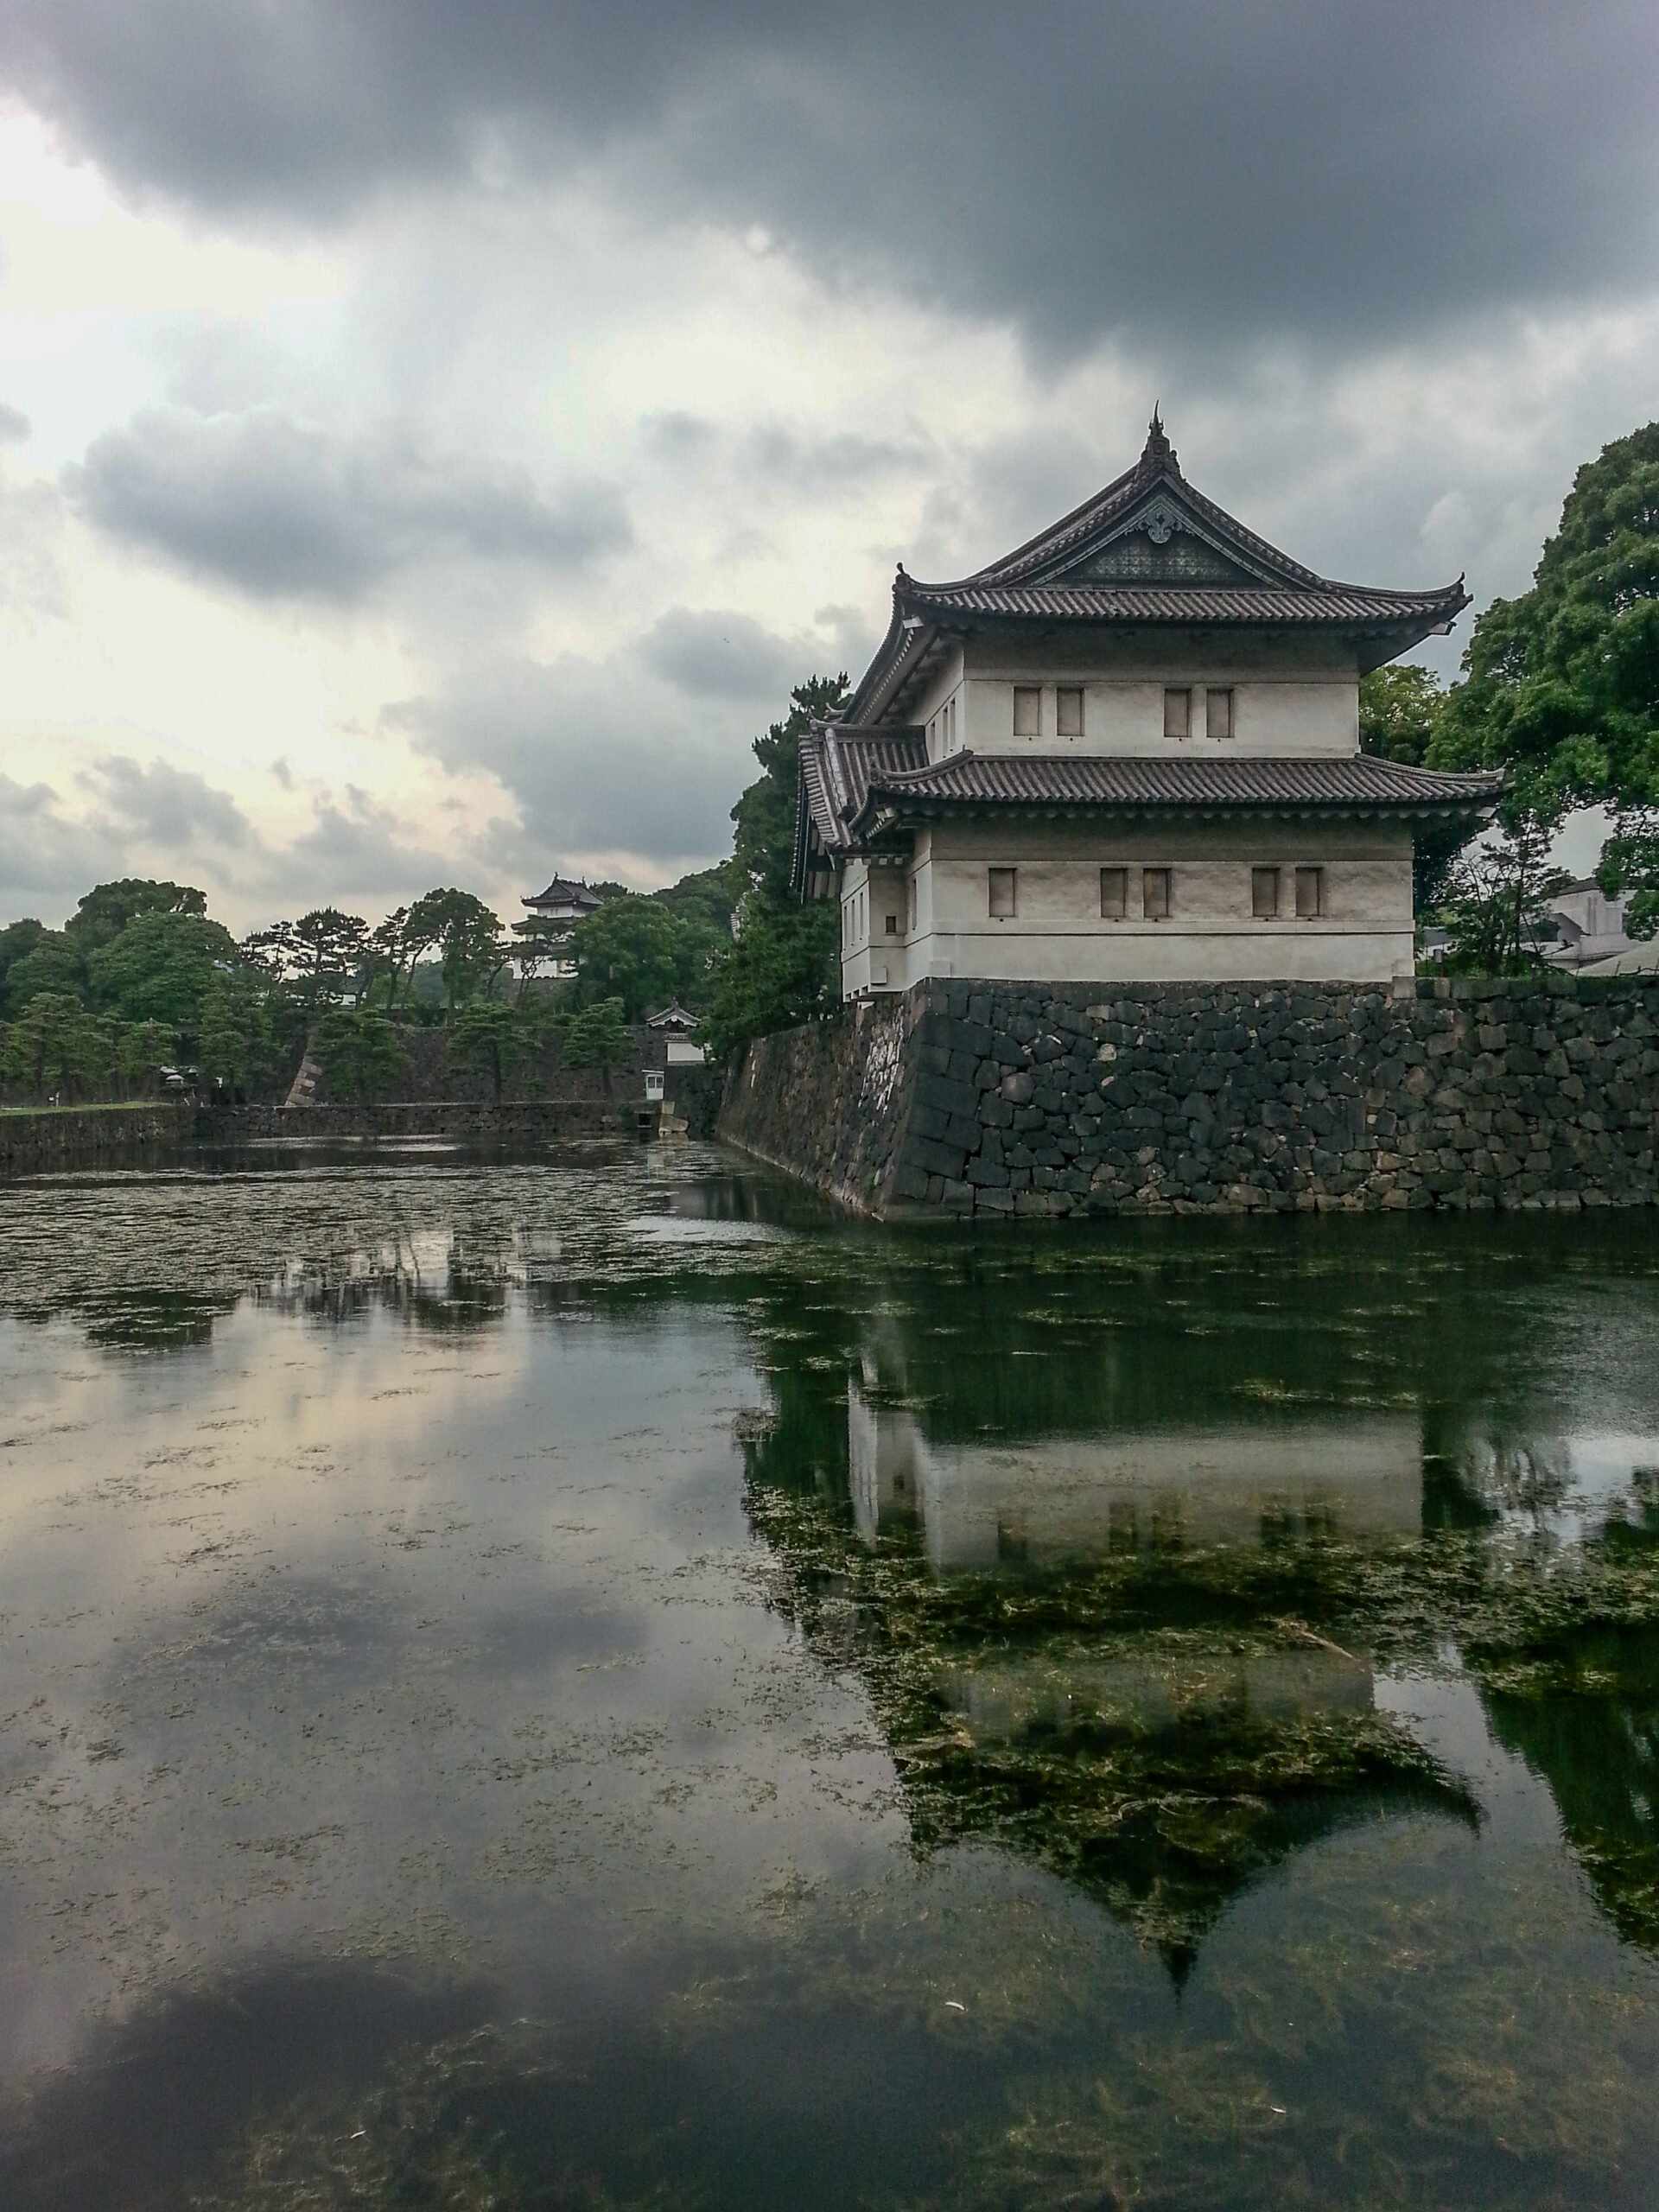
<point>1223,1098</point>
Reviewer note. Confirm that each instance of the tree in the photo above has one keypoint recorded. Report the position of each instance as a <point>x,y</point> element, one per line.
<point>108,908</point>
<point>55,1044</point>
<point>321,956</point>
<point>1399,709</point>
<point>237,1041</point>
<point>1495,900</point>
<point>53,961</point>
<point>629,949</point>
<point>17,940</point>
<point>160,967</point>
<point>468,939</point>
<point>491,1034</point>
<point>362,1054</point>
<point>782,967</point>
<point>1562,684</point>
<point>386,957</point>
<point>597,1037</point>
<point>142,1048</point>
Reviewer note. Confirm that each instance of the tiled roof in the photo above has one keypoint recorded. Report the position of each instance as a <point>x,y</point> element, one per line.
<point>837,767</point>
<point>1148,550</point>
<point>859,785</point>
<point>1202,603</point>
<point>1343,783</point>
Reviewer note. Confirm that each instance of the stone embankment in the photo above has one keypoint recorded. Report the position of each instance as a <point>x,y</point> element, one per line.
<point>1228,1098</point>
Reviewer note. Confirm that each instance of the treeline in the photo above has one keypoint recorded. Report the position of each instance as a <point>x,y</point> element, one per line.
<point>141,988</point>
<point>1560,688</point>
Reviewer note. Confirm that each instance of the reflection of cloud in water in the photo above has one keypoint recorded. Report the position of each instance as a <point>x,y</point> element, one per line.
<point>703,1229</point>
<point>1565,1486</point>
<point>1075,1497</point>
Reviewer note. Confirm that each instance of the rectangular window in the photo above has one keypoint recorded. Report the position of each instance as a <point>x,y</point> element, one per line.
<point>1002,893</point>
<point>893,924</point>
<point>1218,713</point>
<point>909,906</point>
<point>1068,710</point>
<point>1113,894</point>
<point>1154,893</point>
<point>1178,714</point>
<point>1027,710</point>
<point>1264,894</point>
<point>1310,893</point>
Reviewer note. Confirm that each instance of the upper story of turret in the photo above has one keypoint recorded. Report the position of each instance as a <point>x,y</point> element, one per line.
<point>1148,622</point>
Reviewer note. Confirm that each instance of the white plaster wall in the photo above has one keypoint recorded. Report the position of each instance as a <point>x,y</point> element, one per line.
<point>871,959</point>
<point>934,706</point>
<point>1057,934</point>
<point>1070,1496</point>
<point>1297,715</point>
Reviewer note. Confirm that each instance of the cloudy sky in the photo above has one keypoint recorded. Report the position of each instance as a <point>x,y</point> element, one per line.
<point>434,436</point>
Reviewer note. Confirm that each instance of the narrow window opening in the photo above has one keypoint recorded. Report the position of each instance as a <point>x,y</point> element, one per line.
<point>1264,894</point>
<point>1027,710</point>
<point>1113,894</point>
<point>909,906</point>
<point>1178,714</point>
<point>1310,893</point>
<point>1068,710</point>
<point>1218,713</point>
<point>1004,891</point>
<point>893,924</point>
<point>1154,893</point>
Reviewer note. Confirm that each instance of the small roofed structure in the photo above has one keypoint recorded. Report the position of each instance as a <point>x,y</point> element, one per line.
<point>1129,750</point>
<point>674,1025</point>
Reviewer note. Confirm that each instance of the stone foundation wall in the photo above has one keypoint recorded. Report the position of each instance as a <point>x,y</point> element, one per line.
<point>1226,1098</point>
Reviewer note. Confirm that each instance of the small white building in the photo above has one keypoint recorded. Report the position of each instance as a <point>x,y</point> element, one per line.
<point>1129,751</point>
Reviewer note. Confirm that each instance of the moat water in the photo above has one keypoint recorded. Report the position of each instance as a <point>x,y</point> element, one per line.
<point>592,1682</point>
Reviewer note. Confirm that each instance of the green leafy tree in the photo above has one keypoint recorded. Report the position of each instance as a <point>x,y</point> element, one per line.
<point>1399,709</point>
<point>53,962</point>
<point>629,949</point>
<point>495,1036</point>
<point>16,939</point>
<point>321,957</point>
<point>782,967</point>
<point>1562,684</point>
<point>142,1048</point>
<point>1496,896</point>
<point>468,938</point>
<point>360,1052</point>
<point>159,969</point>
<point>108,908</point>
<point>237,1048</point>
<point>385,961</point>
<point>597,1036</point>
<point>55,1044</point>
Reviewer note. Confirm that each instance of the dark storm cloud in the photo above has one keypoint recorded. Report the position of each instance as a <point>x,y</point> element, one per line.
<point>600,756</point>
<point>280,508</point>
<point>174,807</point>
<point>714,655</point>
<point>1202,169</point>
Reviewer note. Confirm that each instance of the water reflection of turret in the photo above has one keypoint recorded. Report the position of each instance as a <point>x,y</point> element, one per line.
<point>1049,1499</point>
<point>1084,1643</point>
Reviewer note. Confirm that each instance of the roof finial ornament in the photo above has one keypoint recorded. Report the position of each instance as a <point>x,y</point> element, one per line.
<point>1158,453</point>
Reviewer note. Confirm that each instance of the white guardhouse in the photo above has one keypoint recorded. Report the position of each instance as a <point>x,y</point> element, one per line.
<point>1129,751</point>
